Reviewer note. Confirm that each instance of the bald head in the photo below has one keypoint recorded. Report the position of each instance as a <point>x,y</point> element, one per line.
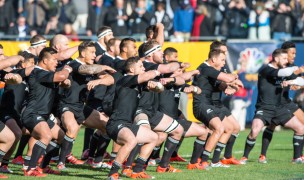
<point>59,42</point>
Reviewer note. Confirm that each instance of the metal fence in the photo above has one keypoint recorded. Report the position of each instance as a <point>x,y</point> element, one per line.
<point>142,38</point>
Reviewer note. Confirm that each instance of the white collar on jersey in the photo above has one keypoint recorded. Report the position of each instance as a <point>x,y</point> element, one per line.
<point>106,53</point>
<point>79,61</point>
<point>38,67</point>
<point>146,60</point>
<point>120,58</point>
<point>27,51</point>
<point>270,65</point>
<point>101,46</point>
<point>207,63</point>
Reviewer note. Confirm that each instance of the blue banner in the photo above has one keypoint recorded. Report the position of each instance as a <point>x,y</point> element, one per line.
<point>248,54</point>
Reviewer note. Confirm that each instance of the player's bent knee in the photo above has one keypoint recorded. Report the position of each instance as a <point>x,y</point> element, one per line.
<point>236,128</point>
<point>178,132</point>
<point>154,137</point>
<point>131,143</point>
<point>255,132</point>
<point>300,130</point>
<point>47,136</point>
<point>161,137</point>
<point>219,130</point>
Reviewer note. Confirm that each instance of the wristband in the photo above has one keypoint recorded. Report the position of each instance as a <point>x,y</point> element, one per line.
<point>52,117</point>
<point>174,80</point>
<point>159,86</point>
<point>68,69</point>
<point>195,89</point>
<point>180,64</point>
<point>291,82</point>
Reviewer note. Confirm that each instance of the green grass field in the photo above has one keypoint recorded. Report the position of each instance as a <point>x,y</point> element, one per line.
<point>279,164</point>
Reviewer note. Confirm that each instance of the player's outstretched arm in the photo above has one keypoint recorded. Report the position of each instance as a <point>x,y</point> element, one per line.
<point>94,69</point>
<point>155,86</point>
<point>192,89</point>
<point>146,76</point>
<point>10,61</point>
<point>66,54</point>
<point>62,75</point>
<point>105,79</point>
<point>176,80</point>
<point>171,67</point>
<point>226,77</point>
<point>299,81</point>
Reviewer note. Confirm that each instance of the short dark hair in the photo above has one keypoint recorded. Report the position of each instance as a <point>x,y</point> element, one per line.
<point>214,53</point>
<point>84,45</point>
<point>217,45</point>
<point>45,51</point>
<point>288,45</point>
<point>169,51</point>
<point>124,42</point>
<point>278,52</point>
<point>130,61</point>
<point>26,55</point>
<point>1,47</point>
<point>111,42</point>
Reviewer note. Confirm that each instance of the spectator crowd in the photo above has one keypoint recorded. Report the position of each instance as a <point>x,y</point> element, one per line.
<point>184,20</point>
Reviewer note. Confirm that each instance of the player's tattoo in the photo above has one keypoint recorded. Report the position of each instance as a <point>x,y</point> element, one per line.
<point>90,69</point>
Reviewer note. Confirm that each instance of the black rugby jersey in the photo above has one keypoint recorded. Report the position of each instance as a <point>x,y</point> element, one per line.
<point>149,100</point>
<point>127,95</point>
<point>120,65</point>
<point>41,92</point>
<point>14,95</point>
<point>269,86</point>
<point>107,59</point>
<point>99,91</point>
<point>77,93</point>
<point>208,83</point>
<point>100,50</point>
<point>169,100</point>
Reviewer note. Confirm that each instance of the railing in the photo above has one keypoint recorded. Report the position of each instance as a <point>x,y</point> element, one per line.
<point>143,38</point>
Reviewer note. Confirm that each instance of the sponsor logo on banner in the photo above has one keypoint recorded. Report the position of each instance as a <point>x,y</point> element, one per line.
<point>253,58</point>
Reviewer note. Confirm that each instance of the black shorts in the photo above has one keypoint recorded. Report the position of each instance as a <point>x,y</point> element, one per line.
<point>155,119</point>
<point>284,113</point>
<point>55,111</point>
<point>2,126</point>
<point>207,112</point>
<point>80,113</point>
<point>97,105</point>
<point>185,124</point>
<point>113,127</point>
<point>150,114</point>
<point>31,120</point>
<point>7,115</point>
<point>265,113</point>
<point>291,106</point>
<point>51,121</point>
